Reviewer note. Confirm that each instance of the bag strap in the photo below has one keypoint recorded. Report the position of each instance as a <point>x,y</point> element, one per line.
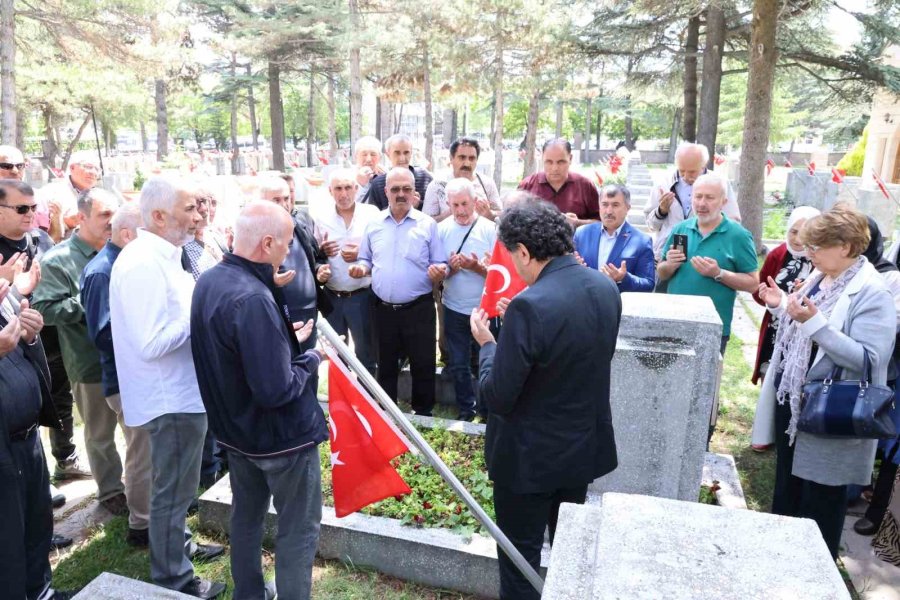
<point>467,235</point>
<point>866,375</point>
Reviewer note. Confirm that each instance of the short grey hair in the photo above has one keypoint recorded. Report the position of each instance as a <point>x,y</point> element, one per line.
<point>87,197</point>
<point>397,137</point>
<point>365,143</point>
<point>460,185</point>
<point>84,157</point>
<point>341,173</point>
<point>688,147</point>
<point>255,221</point>
<point>398,171</point>
<point>714,179</point>
<point>159,193</point>
<point>127,217</point>
<point>270,184</point>
<point>615,189</point>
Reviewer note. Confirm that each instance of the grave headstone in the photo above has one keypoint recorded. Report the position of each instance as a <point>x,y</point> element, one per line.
<point>108,586</point>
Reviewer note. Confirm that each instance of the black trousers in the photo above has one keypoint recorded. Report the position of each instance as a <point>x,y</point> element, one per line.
<point>796,497</point>
<point>61,440</point>
<point>523,518</point>
<point>407,332</point>
<point>881,494</point>
<point>26,519</point>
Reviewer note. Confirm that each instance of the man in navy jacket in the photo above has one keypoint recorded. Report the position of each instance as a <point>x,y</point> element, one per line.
<point>259,391</point>
<point>614,247</point>
<point>545,385</point>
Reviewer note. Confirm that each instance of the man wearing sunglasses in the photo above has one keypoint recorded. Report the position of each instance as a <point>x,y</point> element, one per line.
<point>12,163</point>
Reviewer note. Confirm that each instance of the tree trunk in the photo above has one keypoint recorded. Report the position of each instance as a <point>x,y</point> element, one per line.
<point>332,127</point>
<point>757,115</point>
<point>145,143</point>
<point>8,105</point>
<point>387,119</point>
<point>448,127</point>
<point>599,121</point>
<point>429,109</point>
<point>50,147</point>
<point>251,107</point>
<point>588,121</point>
<point>377,118</point>
<point>559,118</point>
<point>629,125</point>
<point>235,149</point>
<point>276,116</point>
<point>497,140</point>
<point>691,45</point>
<point>493,118</point>
<point>534,109</point>
<point>74,141</point>
<point>712,78</point>
<point>312,158</point>
<point>465,120</point>
<point>673,137</point>
<point>399,122</point>
<point>162,121</point>
<point>20,129</point>
<point>355,79</point>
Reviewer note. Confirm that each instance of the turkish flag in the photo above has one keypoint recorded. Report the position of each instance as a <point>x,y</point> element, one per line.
<point>361,474</point>
<point>502,280</point>
<point>880,183</point>
<point>837,175</point>
<point>770,164</point>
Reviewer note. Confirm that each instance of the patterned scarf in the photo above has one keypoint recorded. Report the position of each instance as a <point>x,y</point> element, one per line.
<point>793,349</point>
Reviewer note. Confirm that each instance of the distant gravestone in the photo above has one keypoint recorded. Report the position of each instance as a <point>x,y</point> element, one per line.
<point>108,586</point>
<point>644,547</point>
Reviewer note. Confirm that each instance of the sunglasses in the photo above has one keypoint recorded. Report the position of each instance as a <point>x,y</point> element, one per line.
<point>11,166</point>
<point>405,189</point>
<point>21,209</point>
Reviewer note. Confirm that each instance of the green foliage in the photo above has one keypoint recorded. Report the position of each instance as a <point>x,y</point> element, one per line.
<point>432,502</point>
<point>787,121</point>
<point>774,224</point>
<point>708,495</point>
<point>852,162</point>
<point>139,180</point>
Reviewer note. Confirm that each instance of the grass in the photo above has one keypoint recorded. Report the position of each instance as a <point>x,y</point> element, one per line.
<point>106,550</point>
<point>737,407</point>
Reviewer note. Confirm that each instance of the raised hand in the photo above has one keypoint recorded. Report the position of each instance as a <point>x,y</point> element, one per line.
<point>617,274</point>
<point>27,281</point>
<point>502,305</point>
<point>708,267</point>
<point>357,271</point>
<point>481,328</point>
<point>14,265</point>
<point>323,273</point>
<point>330,248</point>
<point>303,330</point>
<point>800,308</point>
<point>769,293</point>
<point>31,321</point>
<point>10,335</point>
<point>282,279</point>
<point>350,252</point>
<point>437,272</point>
<point>665,200</point>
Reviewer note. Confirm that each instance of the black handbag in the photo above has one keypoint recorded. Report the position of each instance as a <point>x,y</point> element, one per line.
<point>847,408</point>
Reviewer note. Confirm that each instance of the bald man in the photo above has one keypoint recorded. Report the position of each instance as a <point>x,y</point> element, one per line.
<point>259,390</point>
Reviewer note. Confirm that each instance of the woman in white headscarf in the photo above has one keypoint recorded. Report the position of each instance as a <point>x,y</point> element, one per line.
<point>788,266</point>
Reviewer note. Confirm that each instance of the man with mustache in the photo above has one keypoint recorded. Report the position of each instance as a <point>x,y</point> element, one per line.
<point>367,156</point>
<point>403,253</point>
<point>464,154</point>
<point>58,299</point>
<point>399,150</point>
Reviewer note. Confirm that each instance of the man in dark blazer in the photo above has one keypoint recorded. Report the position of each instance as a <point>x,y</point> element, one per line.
<point>614,247</point>
<point>545,384</point>
<point>399,150</point>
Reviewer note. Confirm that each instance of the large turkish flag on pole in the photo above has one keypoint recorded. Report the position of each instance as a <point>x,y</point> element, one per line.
<point>362,446</point>
<point>502,280</point>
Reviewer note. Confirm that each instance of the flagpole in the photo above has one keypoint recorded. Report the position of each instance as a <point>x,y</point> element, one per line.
<point>431,456</point>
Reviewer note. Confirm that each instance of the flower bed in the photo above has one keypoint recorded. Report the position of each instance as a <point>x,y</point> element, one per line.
<point>432,502</point>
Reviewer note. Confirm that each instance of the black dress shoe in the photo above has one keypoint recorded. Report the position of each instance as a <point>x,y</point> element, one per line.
<point>58,542</point>
<point>139,538</point>
<point>202,588</point>
<point>57,498</point>
<point>468,417</point>
<point>864,526</point>
<point>205,552</point>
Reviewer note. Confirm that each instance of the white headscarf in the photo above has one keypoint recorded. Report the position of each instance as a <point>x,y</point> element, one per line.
<point>801,213</point>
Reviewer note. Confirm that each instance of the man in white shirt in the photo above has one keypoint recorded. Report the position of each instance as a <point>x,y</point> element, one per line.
<point>466,237</point>
<point>339,232</point>
<point>150,307</point>
<point>367,156</point>
<point>464,154</point>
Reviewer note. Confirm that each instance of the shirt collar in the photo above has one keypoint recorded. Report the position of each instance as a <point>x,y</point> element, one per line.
<point>112,248</point>
<point>615,233</point>
<point>723,224</point>
<point>263,271</point>
<point>81,245</point>
<point>163,247</point>
<point>542,178</point>
<point>413,214</point>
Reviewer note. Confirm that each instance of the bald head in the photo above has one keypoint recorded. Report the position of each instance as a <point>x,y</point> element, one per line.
<point>263,232</point>
<point>691,160</point>
<point>276,189</point>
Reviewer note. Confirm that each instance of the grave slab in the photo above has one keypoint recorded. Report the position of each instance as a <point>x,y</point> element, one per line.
<point>646,547</point>
<point>108,586</point>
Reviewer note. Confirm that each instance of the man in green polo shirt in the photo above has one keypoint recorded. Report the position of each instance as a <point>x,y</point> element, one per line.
<point>721,256</point>
<point>58,299</point>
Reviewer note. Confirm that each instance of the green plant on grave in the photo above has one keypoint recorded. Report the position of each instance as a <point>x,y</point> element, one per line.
<point>139,180</point>
<point>774,224</point>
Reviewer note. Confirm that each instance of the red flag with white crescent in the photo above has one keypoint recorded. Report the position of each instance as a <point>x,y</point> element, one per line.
<point>880,182</point>
<point>360,472</point>
<point>502,280</point>
<point>837,175</point>
<point>811,167</point>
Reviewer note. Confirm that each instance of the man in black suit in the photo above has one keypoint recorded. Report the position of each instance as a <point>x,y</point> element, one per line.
<point>546,384</point>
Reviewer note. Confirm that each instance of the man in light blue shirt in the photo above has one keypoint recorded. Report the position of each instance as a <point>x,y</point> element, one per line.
<point>403,254</point>
<point>466,236</point>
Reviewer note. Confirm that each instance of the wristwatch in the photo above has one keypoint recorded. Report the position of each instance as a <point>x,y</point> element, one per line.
<point>718,278</point>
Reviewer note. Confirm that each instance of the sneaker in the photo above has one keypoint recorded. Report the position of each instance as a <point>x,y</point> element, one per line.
<point>117,505</point>
<point>72,468</point>
<point>58,542</point>
<point>57,498</point>
<point>206,552</point>
<point>202,588</point>
<point>139,538</point>
<point>865,527</point>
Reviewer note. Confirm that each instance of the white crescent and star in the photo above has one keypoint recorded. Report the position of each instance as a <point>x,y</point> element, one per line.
<point>507,280</point>
<point>335,456</point>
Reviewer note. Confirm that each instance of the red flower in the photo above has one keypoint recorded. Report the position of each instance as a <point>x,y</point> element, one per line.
<point>426,505</point>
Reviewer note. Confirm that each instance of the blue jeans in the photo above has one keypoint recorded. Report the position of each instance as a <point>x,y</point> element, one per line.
<point>354,314</point>
<point>295,483</point>
<point>176,446</point>
<point>461,347</point>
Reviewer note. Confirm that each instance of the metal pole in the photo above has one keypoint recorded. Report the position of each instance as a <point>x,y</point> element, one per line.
<point>431,456</point>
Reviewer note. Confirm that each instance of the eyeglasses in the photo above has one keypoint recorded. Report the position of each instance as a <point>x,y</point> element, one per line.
<point>812,249</point>
<point>407,189</point>
<point>21,209</point>
<point>11,166</point>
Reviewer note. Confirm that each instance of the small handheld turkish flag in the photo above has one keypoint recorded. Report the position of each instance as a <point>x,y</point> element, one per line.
<point>770,164</point>
<point>361,474</point>
<point>880,183</point>
<point>837,175</point>
<point>811,168</point>
<point>502,280</point>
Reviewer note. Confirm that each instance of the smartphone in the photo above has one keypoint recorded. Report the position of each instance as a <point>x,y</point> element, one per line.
<point>679,240</point>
